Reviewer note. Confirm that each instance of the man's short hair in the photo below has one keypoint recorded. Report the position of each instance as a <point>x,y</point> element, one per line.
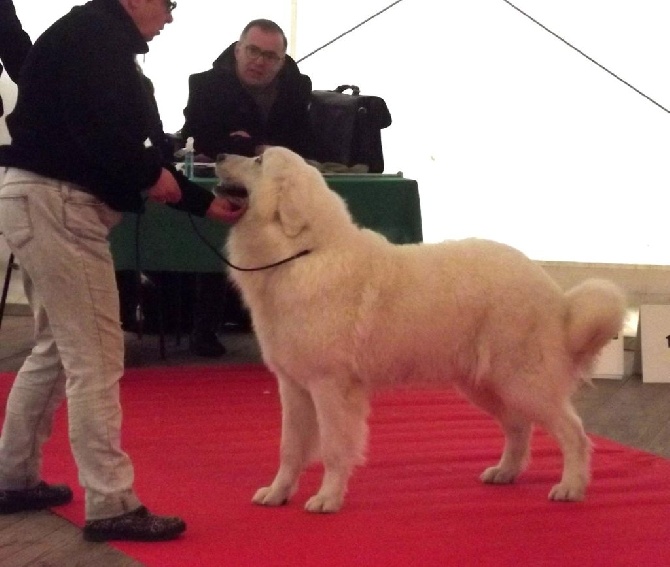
<point>266,26</point>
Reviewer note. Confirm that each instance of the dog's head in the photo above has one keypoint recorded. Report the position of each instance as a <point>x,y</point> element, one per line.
<point>281,187</point>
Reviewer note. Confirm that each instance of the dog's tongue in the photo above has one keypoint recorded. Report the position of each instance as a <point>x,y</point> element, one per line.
<point>236,196</point>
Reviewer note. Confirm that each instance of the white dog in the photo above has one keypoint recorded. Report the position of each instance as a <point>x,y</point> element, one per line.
<point>350,311</point>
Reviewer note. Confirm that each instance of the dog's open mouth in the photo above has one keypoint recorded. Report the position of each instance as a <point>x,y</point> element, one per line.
<point>235,194</point>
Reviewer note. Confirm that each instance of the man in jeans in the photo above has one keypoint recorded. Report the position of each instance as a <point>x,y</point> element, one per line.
<point>81,155</point>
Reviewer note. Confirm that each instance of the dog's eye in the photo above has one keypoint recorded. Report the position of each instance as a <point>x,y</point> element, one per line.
<point>259,160</point>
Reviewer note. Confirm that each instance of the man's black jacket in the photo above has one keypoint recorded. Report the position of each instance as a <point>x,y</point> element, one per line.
<point>218,104</point>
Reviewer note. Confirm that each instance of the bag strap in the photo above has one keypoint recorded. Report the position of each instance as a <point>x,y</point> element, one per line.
<point>355,91</point>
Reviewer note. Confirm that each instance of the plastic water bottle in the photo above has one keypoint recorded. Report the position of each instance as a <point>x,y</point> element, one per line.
<point>188,158</point>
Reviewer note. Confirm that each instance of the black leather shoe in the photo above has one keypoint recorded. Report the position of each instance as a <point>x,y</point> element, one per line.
<point>138,525</point>
<point>37,498</point>
<point>207,344</point>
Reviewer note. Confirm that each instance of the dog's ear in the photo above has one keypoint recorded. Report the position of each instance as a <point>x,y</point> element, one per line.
<point>291,206</point>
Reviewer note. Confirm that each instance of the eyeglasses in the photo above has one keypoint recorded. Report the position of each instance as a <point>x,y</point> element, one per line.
<point>254,52</point>
<point>170,6</point>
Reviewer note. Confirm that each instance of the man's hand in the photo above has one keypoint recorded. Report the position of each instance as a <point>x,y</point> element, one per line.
<point>166,189</point>
<point>224,210</point>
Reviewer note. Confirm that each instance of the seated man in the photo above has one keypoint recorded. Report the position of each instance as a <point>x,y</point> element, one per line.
<point>253,97</point>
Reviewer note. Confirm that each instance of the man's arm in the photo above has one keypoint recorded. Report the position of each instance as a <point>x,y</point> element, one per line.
<point>104,105</point>
<point>14,41</point>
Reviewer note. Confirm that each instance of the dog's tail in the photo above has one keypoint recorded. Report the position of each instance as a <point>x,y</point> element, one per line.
<point>596,312</point>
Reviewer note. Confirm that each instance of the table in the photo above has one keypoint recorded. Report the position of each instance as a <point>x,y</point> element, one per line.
<point>163,239</point>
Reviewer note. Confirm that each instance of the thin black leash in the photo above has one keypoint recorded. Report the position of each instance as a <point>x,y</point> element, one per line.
<point>238,268</point>
<point>138,262</point>
<point>545,28</point>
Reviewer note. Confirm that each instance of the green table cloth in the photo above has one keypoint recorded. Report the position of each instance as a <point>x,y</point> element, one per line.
<point>162,239</point>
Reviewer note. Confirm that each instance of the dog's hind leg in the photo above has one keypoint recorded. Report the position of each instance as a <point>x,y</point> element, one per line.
<point>517,429</point>
<point>342,409</point>
<point>566,427</point>
<point>299,438</point>
<point>516,453</point>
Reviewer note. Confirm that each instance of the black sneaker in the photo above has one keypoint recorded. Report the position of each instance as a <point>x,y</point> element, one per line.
<point>208,345</point>
<point>37,498</point>
<point>138,525</point>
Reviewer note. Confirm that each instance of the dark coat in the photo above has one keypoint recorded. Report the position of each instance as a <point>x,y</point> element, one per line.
<point>83,113</point>
<point>218,104</point>
<point>14,42</point>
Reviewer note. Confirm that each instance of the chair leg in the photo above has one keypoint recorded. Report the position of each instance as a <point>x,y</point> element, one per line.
<point>161,320</point>
<point>139,313</point>
<point>161,331</point>
<point>5,287</point>
<point>141,306</point>
<point>179,307</point>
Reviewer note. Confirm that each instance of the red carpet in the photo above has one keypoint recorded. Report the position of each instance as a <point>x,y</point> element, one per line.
<point>203,439</point>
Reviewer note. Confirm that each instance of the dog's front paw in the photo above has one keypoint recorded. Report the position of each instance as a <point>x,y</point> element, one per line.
<point>564,492</point>
<point>321,504</point>
<point>268,496</point>
<point>498,475</point>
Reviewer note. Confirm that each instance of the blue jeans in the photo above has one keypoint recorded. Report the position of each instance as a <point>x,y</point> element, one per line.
<point>58,234</point>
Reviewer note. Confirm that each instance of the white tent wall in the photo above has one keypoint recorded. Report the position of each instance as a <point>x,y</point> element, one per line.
<point>510,133</point>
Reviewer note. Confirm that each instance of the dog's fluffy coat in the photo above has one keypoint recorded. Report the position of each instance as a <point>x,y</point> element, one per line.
<point>358,312</point>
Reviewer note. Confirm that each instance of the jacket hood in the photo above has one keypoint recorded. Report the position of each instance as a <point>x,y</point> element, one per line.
<point>225,63</point>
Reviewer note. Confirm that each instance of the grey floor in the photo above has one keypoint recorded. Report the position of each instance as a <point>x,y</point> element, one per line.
<point>627,410</point>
